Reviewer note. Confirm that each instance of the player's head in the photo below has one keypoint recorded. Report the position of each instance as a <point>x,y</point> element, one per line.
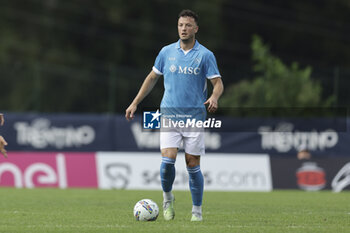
<point>187,25</point>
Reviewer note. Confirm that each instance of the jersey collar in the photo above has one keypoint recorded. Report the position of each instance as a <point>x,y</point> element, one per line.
<point>195,47</point>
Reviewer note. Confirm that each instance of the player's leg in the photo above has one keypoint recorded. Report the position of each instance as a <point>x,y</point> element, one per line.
<point>194,148</point>
<point>167,171</point>
<point>169,142</point>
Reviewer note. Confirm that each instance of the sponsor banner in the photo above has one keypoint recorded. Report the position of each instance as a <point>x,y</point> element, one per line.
<point>311,175</point>
<point>224,172</point>
<point>89,132</point>
<point>58,132</point>
<point>44,169</point>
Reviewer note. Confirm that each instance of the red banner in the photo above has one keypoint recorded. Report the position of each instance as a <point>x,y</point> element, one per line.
<point>48,169</point>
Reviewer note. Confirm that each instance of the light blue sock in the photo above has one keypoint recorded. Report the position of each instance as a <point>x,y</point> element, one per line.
<point>167,173</point>
<point>196,184</point>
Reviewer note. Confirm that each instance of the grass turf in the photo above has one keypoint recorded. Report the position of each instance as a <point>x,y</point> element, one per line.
<point>91,210</point>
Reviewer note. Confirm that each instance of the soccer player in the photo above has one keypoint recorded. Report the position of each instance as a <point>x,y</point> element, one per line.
<point>186,65</point>
<point>3,143</point>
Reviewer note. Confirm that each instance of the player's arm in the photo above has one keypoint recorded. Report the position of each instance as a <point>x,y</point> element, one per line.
<point>145,89</point>
<point>3,143</point>
<point>218,89</point>
<point>2,120</point>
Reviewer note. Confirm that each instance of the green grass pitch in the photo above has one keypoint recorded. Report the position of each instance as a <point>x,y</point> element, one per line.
<point>92,210</point>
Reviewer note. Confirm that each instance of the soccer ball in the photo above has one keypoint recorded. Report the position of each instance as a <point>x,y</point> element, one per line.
<point>146,210</point>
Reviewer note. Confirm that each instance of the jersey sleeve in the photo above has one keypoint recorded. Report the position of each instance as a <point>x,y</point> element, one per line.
<point>159,63</point>
<point>212,70</point>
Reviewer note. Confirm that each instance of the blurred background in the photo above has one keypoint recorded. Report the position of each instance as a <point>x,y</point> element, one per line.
<point>69,69</point>
<point>92,56</point>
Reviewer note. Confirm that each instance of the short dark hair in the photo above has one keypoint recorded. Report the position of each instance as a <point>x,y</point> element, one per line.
<point>189,13</point>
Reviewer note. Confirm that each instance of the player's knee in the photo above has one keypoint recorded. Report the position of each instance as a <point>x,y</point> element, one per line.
<point>169,152</point>
<point>192,161</point>
<point>192,164</point>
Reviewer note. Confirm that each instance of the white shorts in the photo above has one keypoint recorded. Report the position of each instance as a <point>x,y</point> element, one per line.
<point>193,142</point>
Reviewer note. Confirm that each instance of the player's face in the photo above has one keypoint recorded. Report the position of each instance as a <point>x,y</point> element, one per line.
<point>187,28</point>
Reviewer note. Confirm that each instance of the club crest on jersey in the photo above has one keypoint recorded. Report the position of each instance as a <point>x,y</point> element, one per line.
<point>184,70</point>
<point>172,68</point>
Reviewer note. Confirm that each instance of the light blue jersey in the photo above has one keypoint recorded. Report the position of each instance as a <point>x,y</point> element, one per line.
<point>185,76</point>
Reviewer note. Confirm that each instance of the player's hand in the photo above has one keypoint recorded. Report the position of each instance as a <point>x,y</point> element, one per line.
<point>129,112</point>
<point>3,143</point>
<point>212,104</point>
<point>2,120</point>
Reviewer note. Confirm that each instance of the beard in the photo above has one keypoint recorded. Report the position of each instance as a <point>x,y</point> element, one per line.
<point>187,40</point>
